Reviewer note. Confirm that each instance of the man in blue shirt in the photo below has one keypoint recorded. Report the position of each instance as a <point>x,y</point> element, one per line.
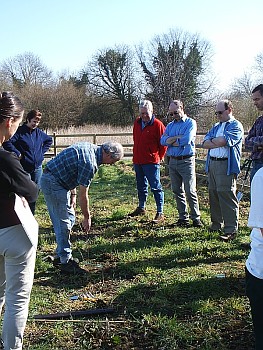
<point>74,166</point>
<point>224,142</point>
<point>179,136</point>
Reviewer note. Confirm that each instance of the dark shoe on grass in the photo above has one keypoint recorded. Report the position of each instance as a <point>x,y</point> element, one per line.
<point>246,245</point>
<point>159,217</point>
<point>197,223</point>
<point>137,212</point>
<point>227,237</point>
<point>183,223</point>
<point>55,260</point>
<point>71,268</point>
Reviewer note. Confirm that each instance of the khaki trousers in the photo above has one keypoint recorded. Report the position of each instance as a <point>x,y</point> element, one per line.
<point>222,197</point>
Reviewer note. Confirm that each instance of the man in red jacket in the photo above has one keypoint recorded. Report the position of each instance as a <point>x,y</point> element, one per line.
<point>147,155</point>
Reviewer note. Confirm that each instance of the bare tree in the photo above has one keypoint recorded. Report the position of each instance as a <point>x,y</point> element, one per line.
<point>26,69</point>
<point>63,105</point>
<point>259,63</point>
<point>243,86</point>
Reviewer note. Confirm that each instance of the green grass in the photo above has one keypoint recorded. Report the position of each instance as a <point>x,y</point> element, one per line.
<point>162,281</point>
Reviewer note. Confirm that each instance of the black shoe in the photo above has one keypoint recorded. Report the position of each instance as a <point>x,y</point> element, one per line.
<point>71,268</point>
<point>228,236</point>
<point>197,223</point>
<point>246,245</point>
<point>55,260</point>
<point>183,223</point>
<point>137,212</point>
<point>159,217</point>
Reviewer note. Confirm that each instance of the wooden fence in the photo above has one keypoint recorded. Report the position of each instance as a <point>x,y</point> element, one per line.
<point>96,138</point>
<point>62,141</point>
<point>99,138</point>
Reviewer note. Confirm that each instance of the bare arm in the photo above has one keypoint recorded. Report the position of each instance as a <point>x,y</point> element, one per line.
<point>84,205</point>
<point>73,197</point>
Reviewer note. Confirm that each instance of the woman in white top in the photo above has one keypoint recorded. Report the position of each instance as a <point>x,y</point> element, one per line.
<point>254,263</point>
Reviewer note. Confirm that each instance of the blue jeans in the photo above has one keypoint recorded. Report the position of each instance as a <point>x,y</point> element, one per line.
<point>149,174</point>
<point>256,165</point>
<point>36,177</point>
<point>61,214</point>
<point>183,183</point>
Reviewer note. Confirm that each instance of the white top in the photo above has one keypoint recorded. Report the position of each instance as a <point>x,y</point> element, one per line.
<point>220,152</point>
<point>254,261</point>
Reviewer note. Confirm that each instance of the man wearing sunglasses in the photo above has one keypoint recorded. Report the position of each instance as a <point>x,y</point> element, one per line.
<point>224,144</point>
<point>179,136</point>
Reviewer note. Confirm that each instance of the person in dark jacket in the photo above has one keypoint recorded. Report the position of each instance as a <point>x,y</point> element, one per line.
<point>30,144</point>
<point>17,252</point>
<point>254,139</point>
<point>147,155</point>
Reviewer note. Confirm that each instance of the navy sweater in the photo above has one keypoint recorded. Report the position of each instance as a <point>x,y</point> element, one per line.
<point>30,146</point>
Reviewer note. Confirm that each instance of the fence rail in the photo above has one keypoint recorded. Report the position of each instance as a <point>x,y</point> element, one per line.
<point>95,138</point>
<point>99,138</point>
<point>62,141</point>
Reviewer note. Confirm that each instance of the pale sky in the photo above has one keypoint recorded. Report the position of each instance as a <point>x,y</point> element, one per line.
<point>65,34</point>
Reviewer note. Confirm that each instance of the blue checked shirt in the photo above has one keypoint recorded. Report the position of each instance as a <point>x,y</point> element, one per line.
<point>76,165</point>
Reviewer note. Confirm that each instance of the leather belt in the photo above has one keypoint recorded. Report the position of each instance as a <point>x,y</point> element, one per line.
<point>181,157</point>
<point>218,159</point>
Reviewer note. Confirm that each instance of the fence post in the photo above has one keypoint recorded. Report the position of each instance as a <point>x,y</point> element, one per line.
<point>94,139</point>
<point>55,143</point>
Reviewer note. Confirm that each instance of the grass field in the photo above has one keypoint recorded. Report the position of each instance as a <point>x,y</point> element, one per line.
<point>170,288</point>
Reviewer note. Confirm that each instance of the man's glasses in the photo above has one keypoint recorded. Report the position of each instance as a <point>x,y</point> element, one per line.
<point>219,112</point>
<point>173,113</point>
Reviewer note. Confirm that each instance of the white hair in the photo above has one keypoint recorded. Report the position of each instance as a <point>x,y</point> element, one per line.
<point>114,148</point>
<point>146,104</point>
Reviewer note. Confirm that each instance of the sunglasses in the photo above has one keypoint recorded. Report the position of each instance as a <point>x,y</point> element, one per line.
<point>219,112</point>
<point>173,113</point>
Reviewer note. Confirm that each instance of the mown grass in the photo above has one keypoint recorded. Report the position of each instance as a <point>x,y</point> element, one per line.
<point>164,283</point>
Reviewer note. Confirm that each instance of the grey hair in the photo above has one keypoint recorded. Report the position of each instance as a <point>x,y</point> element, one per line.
<point>146,104</point>
<point>114,148</point>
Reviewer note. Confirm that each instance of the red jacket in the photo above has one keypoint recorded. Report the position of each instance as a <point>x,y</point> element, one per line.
<point>147,148</point>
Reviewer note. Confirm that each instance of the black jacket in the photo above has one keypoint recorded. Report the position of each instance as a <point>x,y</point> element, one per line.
<point>13,179</point>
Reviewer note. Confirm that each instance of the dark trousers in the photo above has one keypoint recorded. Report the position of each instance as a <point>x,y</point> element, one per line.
<point>254,291</point>
<point>35,176</point>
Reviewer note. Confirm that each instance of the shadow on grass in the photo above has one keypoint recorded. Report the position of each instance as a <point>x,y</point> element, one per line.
<point>182,299</point>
